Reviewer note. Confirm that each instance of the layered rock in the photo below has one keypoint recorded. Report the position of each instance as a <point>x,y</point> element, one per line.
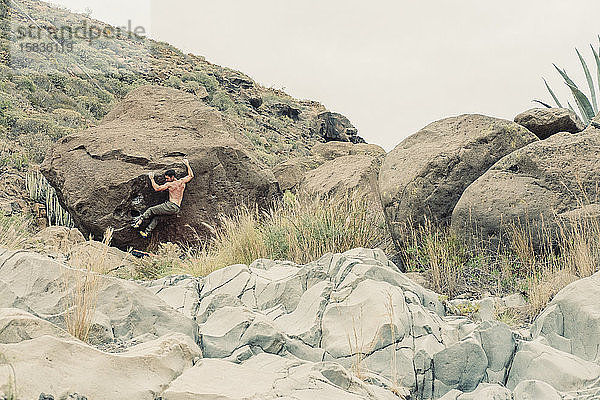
<point>100,173</point>
<point>545,122</point>
<point>542,187</point>
<point>43,360</point>
<point>125,311</point>
<point>425,175</point>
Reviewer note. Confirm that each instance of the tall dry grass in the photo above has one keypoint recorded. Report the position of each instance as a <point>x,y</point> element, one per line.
<point>299,228</point>
<point>15,232</point>
<point>537,259</point>
<point>82,287</point>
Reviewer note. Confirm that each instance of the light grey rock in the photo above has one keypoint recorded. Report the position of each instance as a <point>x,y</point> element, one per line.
<point>222,332</point>
<point>571,321</point>
<point>460,366</point>
<point>514,300</point>
<point>125,310</point>
<point>179,291</point>
<point>486,391</point>
<point>304,322</point>
<point>534,390</point>
<point>565,372</point>
<point>60,366</point>
<point>268,377</point>
<point>499,345</point>
<point>18,325</point>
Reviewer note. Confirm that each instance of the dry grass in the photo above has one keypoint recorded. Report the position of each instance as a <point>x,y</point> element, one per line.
<point>10,387</point>
<point>534,259</point>
<point>299,228</point>
<point>15,232</point>
<point>82,288</point>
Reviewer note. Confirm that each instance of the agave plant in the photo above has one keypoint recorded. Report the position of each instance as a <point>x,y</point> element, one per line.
<point>588,106</point>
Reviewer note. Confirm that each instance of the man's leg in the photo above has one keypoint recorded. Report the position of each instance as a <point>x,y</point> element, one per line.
<point>166,208</point>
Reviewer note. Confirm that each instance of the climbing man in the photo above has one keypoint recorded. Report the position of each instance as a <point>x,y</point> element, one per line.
<point>175,187</point>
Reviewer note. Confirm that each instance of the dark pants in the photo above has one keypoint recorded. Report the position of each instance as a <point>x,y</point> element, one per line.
<point>166,208</point>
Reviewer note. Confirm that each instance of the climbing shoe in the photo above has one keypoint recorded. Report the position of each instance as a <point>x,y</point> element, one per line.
<point>137,222</point>
<point>144,234</point>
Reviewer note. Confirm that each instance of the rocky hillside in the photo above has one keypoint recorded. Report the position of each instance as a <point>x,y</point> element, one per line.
<point>46,97</point>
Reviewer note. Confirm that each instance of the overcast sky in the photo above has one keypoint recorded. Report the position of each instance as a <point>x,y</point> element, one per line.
<point>390,66</point>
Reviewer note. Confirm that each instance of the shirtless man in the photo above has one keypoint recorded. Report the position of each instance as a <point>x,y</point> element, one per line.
<point>175,187</point>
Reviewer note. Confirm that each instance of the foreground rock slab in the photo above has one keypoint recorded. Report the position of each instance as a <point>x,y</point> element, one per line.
<point>125,310</point>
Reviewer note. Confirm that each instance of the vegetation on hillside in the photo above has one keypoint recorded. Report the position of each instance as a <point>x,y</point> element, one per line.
<point>45,96</point>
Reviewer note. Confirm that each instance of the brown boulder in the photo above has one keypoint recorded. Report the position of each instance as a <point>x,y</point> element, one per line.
<point>292,172</point>
<point>425,175</point>
<point>545,122</point>
<point>342,175</point>
<point>100,173</point>
<point>534,187</point>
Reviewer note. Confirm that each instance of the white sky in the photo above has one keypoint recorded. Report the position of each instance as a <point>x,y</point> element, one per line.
<point>390,66</point>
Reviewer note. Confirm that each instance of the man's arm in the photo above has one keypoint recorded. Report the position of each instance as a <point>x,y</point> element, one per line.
<point>156,186</point>
<point>190,173</point>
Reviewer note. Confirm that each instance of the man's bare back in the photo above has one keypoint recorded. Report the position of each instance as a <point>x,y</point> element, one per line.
<point>176,190</point>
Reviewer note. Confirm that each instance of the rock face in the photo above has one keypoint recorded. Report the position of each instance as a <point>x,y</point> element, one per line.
<point>537,185</point>
<point>347,326</point>
<point>545,122</point>
<point>425,175</point>
<point>59,364</point>
<point>347,174</point>
<point>335,127</point>
<point>100,177</point>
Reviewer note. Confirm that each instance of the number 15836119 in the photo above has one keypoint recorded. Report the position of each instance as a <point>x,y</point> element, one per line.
<point>50,47</point>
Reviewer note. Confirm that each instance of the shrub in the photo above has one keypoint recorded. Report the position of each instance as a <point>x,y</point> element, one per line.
<point>15,231</point>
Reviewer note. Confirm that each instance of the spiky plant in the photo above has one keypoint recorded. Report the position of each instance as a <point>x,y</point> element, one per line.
<point>587,106</point>
<point>40,191</point>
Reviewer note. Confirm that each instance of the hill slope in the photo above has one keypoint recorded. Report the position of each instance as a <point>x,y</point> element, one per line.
<point>45,95</point>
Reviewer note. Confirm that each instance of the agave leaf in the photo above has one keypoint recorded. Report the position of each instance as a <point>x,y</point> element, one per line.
<point>586,109</point>
<point>542,103</point>
<point>597,59</point>
<point>590,81</point>
<point>552,93</point>
<point>571,107</point>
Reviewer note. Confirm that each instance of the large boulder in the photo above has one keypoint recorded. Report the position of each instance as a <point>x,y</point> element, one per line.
<point>541,187</point>
<point>545,122</point>
<point>344,175</point>
<point>100,173</point>
<point>291,173</point>
<point>564,372</point>
<point>335,127</point>
<point>425,175</point>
